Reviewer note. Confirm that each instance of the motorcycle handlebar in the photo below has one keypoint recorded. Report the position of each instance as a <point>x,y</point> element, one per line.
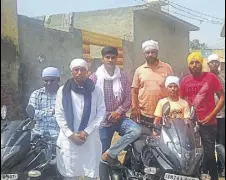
<point>48,143</point>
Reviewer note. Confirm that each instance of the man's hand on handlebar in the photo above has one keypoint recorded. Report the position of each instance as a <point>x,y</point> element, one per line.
<point>154,133</point>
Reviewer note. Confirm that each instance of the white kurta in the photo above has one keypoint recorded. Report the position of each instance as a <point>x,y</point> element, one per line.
<point>73,160</point>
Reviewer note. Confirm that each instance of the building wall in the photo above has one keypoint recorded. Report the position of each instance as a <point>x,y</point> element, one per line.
<point>128,58</point>
<point>173,43</point>
<point>128,25</point>
<point>9,20</point>
<point>124,23</point>
<point>41,47</point>
<point>9,58</point>
<point>113,22</point>
<point>9,42</point>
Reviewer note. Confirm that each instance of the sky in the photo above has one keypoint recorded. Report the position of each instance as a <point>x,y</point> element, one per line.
<point>209,33</point>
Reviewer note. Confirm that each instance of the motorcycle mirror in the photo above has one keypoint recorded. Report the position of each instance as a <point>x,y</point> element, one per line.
<point>3,112</point>
<point>30,110</point>
<point>31,125</point>
<point>166,109</point>
<point>192,113</point>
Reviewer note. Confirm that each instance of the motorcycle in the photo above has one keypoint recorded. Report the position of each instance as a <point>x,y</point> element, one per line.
<point>24,158</point>
<point>176,153</point>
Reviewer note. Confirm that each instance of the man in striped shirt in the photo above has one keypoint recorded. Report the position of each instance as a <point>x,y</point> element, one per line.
<point>43,101</point>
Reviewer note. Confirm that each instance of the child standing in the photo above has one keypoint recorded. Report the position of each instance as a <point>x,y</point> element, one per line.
<point>179,108</point>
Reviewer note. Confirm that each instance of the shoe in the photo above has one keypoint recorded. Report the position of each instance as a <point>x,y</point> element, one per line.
<point>110,161</point>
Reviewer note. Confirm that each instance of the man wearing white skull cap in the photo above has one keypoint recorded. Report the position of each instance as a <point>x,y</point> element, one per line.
<point>214,64</point>
<point>80,108</point>
<point>179,108</point>
<point>148,83</point>
<point>43,101</point>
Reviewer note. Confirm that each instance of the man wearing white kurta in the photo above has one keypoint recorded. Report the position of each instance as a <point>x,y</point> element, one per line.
<point>79,110</point>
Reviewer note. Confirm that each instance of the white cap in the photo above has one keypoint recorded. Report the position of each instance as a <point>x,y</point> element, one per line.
<point>78,63</point>
<point>213,57</point>
<point>172,79</point>
<point>150,45</point>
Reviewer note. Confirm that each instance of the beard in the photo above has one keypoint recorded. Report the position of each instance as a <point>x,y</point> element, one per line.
<point>214,70</point>
<point>151,60</point>
<point>195,71</point>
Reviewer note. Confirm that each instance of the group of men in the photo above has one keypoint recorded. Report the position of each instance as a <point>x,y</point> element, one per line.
<point>85,112</point>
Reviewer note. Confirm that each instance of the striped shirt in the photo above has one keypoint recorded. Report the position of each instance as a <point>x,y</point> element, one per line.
<point>44,105</point>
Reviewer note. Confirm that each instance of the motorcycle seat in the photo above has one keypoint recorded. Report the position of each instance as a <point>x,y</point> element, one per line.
<point>145,130</point>
<point>140,142</point>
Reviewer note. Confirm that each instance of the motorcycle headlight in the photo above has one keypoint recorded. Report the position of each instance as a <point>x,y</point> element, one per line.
<point>34,173</point>
<point>150,170</point>
<point>3,112</point>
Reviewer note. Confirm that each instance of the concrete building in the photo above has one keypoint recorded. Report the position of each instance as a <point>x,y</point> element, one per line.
<point>41,47</point>
<point>9,42</point>
<point>135,24</point>
<point>10,59</point>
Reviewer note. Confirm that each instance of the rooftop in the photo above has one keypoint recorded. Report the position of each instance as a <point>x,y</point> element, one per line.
<point>147,11</point>
<point>152,11</point>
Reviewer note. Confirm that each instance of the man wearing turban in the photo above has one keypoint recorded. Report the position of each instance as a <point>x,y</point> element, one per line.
<point>148,83</point>
<point>198,88</point>
<point>43,101</point>
<point>80,108</point>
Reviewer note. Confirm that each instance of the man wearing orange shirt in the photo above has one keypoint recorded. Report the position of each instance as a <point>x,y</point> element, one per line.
<point>148,83</point>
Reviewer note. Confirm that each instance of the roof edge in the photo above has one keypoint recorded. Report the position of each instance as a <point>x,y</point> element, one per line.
<point>190,26</point>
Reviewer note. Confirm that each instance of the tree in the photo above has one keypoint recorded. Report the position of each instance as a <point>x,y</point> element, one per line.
<point>196,45</point>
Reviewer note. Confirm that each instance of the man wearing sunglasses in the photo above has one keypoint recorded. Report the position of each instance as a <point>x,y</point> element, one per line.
<point>43,101</point>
